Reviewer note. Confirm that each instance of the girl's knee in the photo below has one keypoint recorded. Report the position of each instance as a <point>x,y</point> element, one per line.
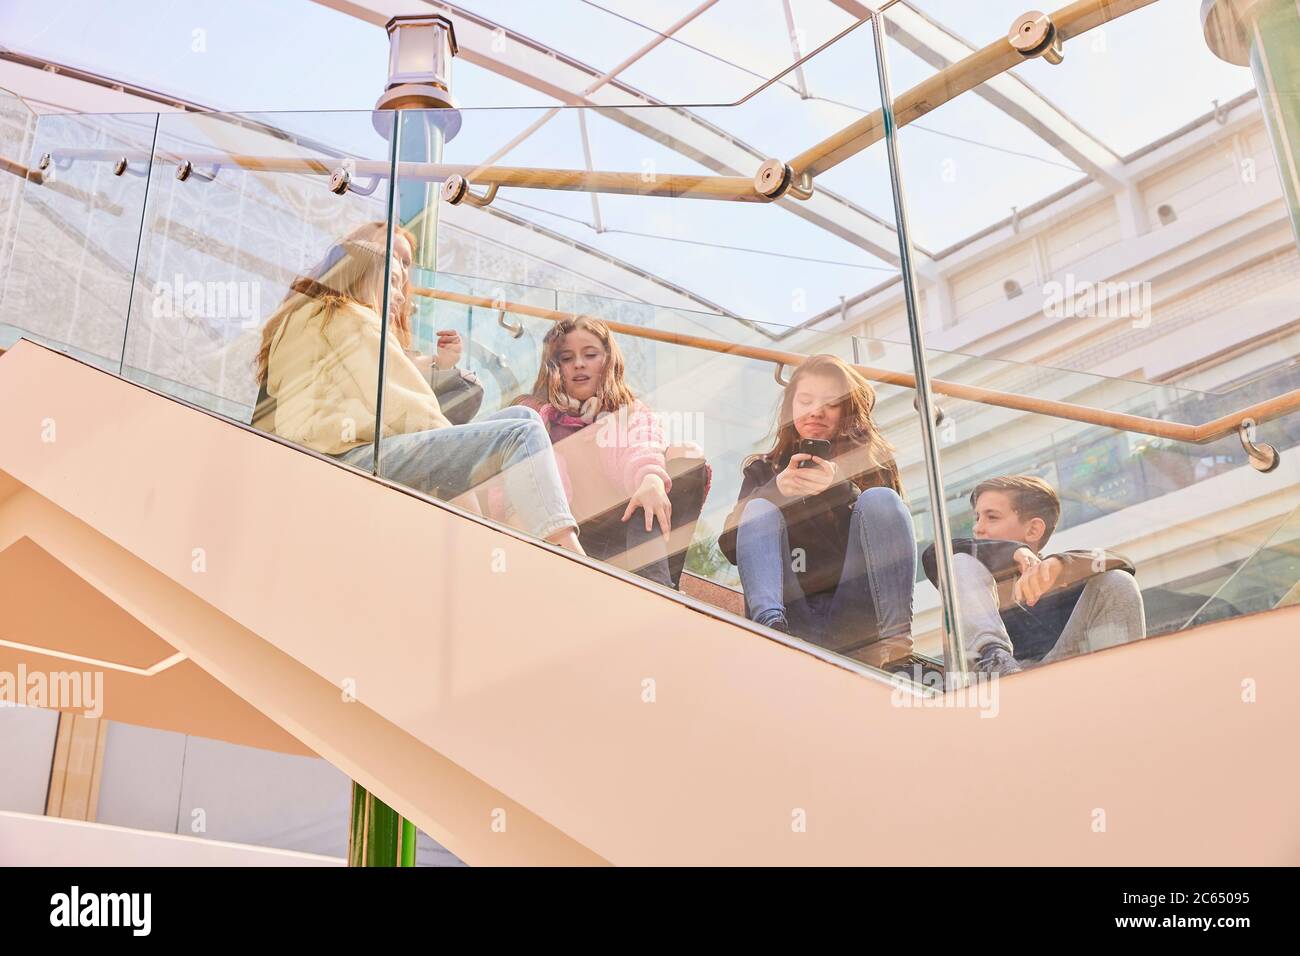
<point>760,511</point>
<point>520,413</point>
<point>690,483</point>
<point>880,500</point>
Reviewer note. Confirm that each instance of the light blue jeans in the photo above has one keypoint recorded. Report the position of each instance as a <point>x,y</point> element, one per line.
<point>874,597</point>
<point>447,462</point>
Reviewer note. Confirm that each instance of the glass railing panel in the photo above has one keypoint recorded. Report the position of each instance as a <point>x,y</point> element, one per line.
<point>1268,579</point>
<point>69,281</point>
<point>241,218</point>
<point>17,125</point>
<point>1056,306</point>
<point>704,299</point>
<point>1107,476</point>
<point>500,348</point>
<point>1134,258</point>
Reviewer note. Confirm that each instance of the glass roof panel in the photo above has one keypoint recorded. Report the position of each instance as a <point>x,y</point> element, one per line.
<point>1158,43</point>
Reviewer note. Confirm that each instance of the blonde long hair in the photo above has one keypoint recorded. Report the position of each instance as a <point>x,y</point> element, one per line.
<point>351,273</point>
<point>867,455</point>
<point>612,390</point>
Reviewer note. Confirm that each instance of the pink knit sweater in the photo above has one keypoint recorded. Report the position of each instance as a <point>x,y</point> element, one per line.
<point>629,445</point>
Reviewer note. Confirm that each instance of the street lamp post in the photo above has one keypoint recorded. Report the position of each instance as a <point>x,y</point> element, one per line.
<point>420,51</point>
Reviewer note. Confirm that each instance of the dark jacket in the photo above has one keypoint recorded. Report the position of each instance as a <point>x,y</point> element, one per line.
<point>817,524</point>
<point>1033,630</point>
<point>459,393</point>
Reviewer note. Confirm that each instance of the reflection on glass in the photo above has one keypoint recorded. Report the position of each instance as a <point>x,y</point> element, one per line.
<point>69,283</point>
<point>1267,579</point>
<point>240,217</point>
<point>17,125</point>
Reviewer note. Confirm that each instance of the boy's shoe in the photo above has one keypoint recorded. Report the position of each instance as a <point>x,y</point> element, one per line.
<point>998,660</point>
<point>776,624</point>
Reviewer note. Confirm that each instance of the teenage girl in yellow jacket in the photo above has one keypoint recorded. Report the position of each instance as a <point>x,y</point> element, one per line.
<point>318,367</point>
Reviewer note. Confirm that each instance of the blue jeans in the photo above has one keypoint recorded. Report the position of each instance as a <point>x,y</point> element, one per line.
<point>874,597</point>
<point>511,443</point>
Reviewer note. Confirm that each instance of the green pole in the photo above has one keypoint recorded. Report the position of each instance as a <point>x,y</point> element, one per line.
<point>1265,35</point>
<point>377,836</point>
<point>408,842</point>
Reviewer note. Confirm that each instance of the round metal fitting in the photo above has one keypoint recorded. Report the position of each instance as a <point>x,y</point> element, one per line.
<point>340,179</point>
<point>454,189</point>
<point>773,178</point>
<point>1263,456</point>
<point>1033,34</point>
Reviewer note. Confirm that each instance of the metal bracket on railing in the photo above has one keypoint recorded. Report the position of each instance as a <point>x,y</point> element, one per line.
<point>368,189</point>
<point>48,158</point>
<point>341,182</point>
<point>939,415</point>
<point>1033,35</point>
<point>783,382</point>
<point>455,190</point>
<point>515,329</point>
<point>1263,457</point>
<point>185,170</point>
<point>774,179</point>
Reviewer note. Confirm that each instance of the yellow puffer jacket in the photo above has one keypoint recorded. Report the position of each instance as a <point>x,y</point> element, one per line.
<point>322,376</point>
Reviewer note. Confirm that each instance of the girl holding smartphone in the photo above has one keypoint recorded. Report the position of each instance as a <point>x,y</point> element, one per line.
<point>821,535</point>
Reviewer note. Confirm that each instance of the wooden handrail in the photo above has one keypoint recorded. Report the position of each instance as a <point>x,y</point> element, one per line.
<point>40,179</point>
<point>21,171</point>
<point>1202,434</point>
<point>950,82</point>
<point>672,185</point>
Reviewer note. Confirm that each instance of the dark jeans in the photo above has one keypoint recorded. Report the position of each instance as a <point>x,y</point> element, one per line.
<point>609,538</point>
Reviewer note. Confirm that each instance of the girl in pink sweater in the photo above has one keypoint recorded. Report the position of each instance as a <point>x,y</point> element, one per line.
<point>636,497</point>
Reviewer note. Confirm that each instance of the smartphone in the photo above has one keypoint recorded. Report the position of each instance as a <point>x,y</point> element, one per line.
<point>814,446</point>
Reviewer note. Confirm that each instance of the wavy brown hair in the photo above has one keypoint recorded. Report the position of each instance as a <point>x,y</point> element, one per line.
<point>351,273</point>
<point>612,390</point>
<point>866,456</point>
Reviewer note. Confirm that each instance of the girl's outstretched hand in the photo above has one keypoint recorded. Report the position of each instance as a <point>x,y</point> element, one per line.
<point>652,499</point>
